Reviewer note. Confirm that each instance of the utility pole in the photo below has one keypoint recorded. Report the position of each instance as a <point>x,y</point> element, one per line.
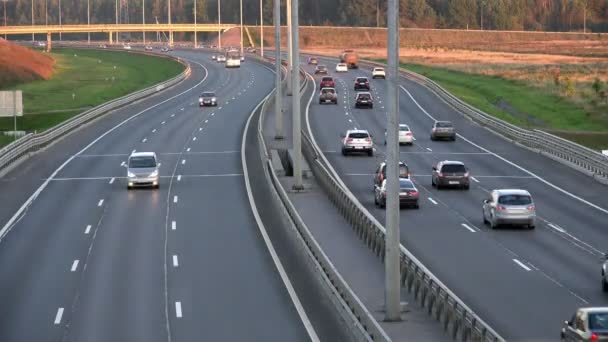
<point>289,49</point>
<point>195,30</point>
<point>278,114</point>
<point>169,21</point>
<point>59,19</point>
<point>261,29</point>
<point>88,21</point>
<point>391,258</point>
<point>117,35</point>
<point>219,25</point>
<point>143,20</point>
<point>46,12</point>
<point>377,13</point>
<point>5,16</point>
<point>241,27</point>
<point>33,21</point>
<point>295,102</point>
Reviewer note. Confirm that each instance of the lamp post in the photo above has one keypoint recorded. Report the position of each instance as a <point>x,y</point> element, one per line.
<point>33,21</point>
<point>116,9</point>
<point>295,102</point>
<point>241,27</point>
<point>219,24</point>
<point>143,20</point>
<point>59,19</point>
<point>261,29</point>
<point>88,21</point>
<point>169,20</point>
<point>289,49</point>
<point>278,116</point>
<point>5,16</point>
<point>195,31</point>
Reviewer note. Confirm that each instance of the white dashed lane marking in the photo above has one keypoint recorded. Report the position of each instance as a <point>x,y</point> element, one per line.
<point>521,264</point>
<point>468,227</point>
<point>432,201</point>
<point>175,261</point>
<point>111,180</point>
<point>173,225</point>
<point>100,203</point>
<point>58,316</point>
<point>88,229</point>
<point>178,309</point>
<point>175,199</point>
<point>74,266</point>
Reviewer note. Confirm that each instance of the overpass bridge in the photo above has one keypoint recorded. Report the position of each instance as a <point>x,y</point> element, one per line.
<point>112,29</point>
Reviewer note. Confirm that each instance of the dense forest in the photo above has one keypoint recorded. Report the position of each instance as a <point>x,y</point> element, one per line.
<point>529,15</point>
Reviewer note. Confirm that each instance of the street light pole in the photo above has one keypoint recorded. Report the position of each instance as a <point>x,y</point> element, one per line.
<point>143,20</point>
<point>59,19</point>
<point>169,20</point>
<point>46,12</point>
<point>219,25</point>
<point>5,16</point>
<point>261,29</point>
<point>297,132</point>
<point>241,27</point>
<point>289,49</point>
<point>278,114</point>
<point>116,1</point>
<point>391,258</point>
<point>195,31</point>
<point>88,21</point>
<point>33,21</point>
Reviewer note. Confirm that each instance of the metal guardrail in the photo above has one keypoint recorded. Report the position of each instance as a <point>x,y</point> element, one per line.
<point>34,142</point>
<point>361,323</point>
<point>579,157</point>
<point>441,303</point>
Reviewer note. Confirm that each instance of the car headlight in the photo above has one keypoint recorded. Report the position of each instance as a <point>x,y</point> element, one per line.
<point>130,174</point>
<point>154,174</point>
<point>200,99</point>
<point>213,99</point>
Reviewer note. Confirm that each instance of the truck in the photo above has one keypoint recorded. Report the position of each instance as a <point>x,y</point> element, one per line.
<point>233,59</point>
<point>351,58</point>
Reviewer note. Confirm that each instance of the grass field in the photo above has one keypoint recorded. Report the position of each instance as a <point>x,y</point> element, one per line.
<point>85,79</point>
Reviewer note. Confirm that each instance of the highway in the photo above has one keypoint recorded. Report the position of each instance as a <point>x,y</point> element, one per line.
<point>524,283</point>
<point>90,261</point>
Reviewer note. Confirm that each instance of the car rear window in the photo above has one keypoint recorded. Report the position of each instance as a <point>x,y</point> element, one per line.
<point>404,128</point>
<point>321,67</point>
<point>327,79</point>
<point>514,199</point>
<point>361,79</point>
<point>598,321</point>
<point>358,135</point>
<point>453,168</point>
<point>379,69</point>
<point>444,124</point>
<point>406,184</point>
<point>328,91</point>
<point>208,95</point>
<point>364,96</point>
<point>136,162</point>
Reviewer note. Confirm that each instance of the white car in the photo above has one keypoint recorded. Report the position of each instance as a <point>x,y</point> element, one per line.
<point>242,58</point>
<point>378,72</point>
<point>341,67</point>
<point>213,57</point>
<point>405,135</point>
<point>127,47</point>
<point>148,48</point>
<point>221,58</point>
<point>357,140</point>
<point>233,63</point>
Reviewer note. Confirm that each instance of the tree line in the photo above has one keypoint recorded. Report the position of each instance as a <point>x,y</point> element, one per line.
<point>528,15</point>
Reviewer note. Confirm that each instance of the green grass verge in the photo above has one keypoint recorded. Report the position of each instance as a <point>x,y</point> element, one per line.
<point>93,77</point>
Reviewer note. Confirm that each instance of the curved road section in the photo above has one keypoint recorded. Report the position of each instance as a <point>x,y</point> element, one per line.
<point>91,261</point>
<point>524,283</point>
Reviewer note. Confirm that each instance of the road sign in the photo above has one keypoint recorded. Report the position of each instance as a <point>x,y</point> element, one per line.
<point>11,103</point>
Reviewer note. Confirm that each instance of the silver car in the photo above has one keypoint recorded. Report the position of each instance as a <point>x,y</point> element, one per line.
<point>587,324</point>
<point>142,170</point>
<point>443,130</point>
<point>357,141</point>
<point>605,273</point>
<point>509,206</point>
<point>221,59</point>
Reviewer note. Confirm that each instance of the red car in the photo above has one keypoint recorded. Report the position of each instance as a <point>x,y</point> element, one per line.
<point>327,82</point>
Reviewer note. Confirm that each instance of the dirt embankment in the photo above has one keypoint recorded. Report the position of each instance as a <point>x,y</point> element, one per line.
<point>19,64</point>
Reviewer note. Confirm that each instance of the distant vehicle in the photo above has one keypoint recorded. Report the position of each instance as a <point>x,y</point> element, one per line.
<point>351,58</point>
<point>164,49</point>
<point>380,174</point>
<point>142,170</point>
<point>207,98</point>
<point>405,135</point>
<point>328,95</point>
<point>103,46</point>
<point>364,99</point>
<point>408,194</point>
<point>233,60</point>
<point>242,58</point>
<point>221,59</point>
<point>42,44</point>
<point>357,141</point>
<point>327,82</point>
<point>148,48</point>
<point>251,49</point>
<point>321,69</point>
<point>448,173</point>
<point>361,83</point>
<point>213,57</point>
<point>443,130</point>
<point>509,206</point>
<point>378,72</point>
<point>586,325</point>
<point>341,67</point>
<point>605,273</point>
<point>313,60</point>
<point>127,47</point>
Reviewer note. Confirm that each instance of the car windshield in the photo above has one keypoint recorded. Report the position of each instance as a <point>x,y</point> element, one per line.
<point>598,321</point>
<point>514,199</point>
<point>208,95</point>
<point>406,184</point>
<point>453,168</point>
<point>404,128</point>
<point>364,96</point>
<point>443,124</point>
<point>328,91</point>
<point>321,67</point>
<point>403,171</point>
<point>361,79</point>
<point>379,69</point>
<point>358,135</point>
<point>142,162</point>
<point>327,79</point>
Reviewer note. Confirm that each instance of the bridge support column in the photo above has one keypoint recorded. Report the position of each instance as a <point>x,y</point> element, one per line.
<point>171,38</point>
<point>110,37</point>
<point>48,42</point>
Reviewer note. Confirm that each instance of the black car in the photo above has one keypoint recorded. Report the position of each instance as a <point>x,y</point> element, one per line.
<point>361,83</point>
<point>207,99</point>
<point>364,99</point>
<point>321,69</point>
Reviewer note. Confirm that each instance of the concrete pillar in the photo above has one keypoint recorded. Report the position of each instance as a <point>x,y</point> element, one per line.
<point>48,42</point>
<point>110,37</point>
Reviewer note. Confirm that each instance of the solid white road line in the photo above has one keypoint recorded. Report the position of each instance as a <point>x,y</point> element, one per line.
<point>74,266</point>
<point>58,316</point>
<point>522,265</point>
<point>100,203</point>
<point>558,228</point>
<point>179,178</point>
<point>175,199</point>
<point>432,201</point>
<point>88,229</point>
<point>178,309</point>
<point>474,179</point>
<point>467,227</point>
<point>175,261</point>
<point>111,180</point>
<point>173,225</point>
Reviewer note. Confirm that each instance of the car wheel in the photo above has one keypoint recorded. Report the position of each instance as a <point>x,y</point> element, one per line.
<point>371,106</point>
<point>483,214</point>
<point>438,186</point>
<point>370,153</point>
<point>454,138</point>
<point>493,224</point>
<point>604,285</point>
<point>375,199</point>
<point>343,152</point>
<point>432,138</point>
<point>466,187</point>
<point>383,205</point>
<point>416,206</point>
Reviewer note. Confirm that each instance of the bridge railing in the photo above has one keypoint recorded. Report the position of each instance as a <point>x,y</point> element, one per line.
<point>31,143</point>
